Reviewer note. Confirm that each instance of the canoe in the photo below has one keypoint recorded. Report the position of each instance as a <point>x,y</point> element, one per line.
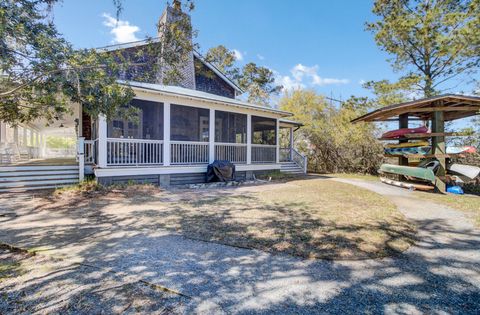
<point>411,144</point>
<point>458,150</point>
<point>407,151</point>
<point>413,186</point>
<point>394,134</point>
<point>465,170</point>
<point>425,174</point>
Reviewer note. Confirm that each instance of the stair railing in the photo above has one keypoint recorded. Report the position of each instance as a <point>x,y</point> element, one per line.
<point>300,159</point>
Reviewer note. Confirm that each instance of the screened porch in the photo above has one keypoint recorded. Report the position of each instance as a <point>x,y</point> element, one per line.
<point>164,134</point>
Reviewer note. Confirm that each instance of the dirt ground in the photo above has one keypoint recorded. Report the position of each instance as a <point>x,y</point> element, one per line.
<point>42,285</point>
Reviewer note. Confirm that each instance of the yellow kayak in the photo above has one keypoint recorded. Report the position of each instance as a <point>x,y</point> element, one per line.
<point>408,144</point>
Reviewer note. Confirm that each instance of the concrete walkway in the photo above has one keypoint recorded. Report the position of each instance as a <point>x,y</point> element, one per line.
<point>440,274</point>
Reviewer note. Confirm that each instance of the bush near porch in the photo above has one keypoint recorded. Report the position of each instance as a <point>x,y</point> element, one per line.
<point>310,218</point>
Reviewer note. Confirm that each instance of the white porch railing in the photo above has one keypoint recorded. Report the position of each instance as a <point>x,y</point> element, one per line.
<point>188,152</point>
<point>264,153</point>
<point>134,152</point>
<point>233,152</point>
<point>89,151</point>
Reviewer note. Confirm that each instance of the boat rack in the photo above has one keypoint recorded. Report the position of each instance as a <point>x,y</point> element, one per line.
<point>437,110</point>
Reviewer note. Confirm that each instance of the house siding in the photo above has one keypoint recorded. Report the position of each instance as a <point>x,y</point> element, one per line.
<point>208,81</point>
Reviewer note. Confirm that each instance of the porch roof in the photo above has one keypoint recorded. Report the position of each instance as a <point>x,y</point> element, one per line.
<point>287,123</point>
<point>198,95</point>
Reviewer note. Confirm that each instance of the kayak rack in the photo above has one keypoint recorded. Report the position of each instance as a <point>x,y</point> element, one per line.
<point>434,111</point>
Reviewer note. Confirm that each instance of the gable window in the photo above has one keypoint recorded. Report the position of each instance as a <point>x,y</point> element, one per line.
<point>189,123</point>
<point>264,130</point>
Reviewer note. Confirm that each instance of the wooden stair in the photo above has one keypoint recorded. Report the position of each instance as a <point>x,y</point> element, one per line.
<point>34,177</point>
<point>291,168</point>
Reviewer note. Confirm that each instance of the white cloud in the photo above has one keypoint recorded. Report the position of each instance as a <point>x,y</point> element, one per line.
<point>260,57</point>
<point>122,31</point>
<point>238,54</point>
<point>362,82</point>
<point>304,76</point>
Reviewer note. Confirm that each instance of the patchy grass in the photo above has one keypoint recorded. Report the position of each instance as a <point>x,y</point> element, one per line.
<point>276,175</point>
<point>311,218</point>
<point>470,205</point>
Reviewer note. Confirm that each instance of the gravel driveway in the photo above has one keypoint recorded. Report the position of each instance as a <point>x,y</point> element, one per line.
<point>440,274</point>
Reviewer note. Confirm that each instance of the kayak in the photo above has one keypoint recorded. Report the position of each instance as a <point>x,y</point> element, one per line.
<point>413,186</point>
<point>464,170</point>
<point>394,134</point>
<point>407,151</point>
<point>421,143</point>
<point>458,150</point>
<point>425,174</point>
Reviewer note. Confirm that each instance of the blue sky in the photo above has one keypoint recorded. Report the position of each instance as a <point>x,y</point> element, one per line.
<point>315,44</point>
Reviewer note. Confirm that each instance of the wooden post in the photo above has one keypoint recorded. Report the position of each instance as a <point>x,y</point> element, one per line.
<point>102,141</point>
<point>211,136</point>
<point>249,139</point>
<point>438,146</point>
<point>166,134</point>
<point>403,123</point>
<point>277,132</point>
<point>81,158</point>
<point>291,144</point>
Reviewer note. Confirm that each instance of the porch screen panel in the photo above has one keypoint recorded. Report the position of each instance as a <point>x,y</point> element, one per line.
<point>230,127</point>
<point>264,130</point>
<point>189,123</point>
<point>148,124</point>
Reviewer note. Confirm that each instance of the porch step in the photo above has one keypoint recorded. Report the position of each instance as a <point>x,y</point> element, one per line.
<point>34,177</point>
<point>290,168</point>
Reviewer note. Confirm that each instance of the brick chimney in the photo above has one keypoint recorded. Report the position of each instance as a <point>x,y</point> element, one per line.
<point>173,14</point>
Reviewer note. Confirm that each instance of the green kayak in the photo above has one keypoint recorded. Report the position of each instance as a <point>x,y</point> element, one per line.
<point>417,172</point>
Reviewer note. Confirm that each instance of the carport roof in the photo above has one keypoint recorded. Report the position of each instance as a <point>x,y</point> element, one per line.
<point>454,107</point>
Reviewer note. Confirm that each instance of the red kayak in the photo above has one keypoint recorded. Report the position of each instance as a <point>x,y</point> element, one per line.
<point>394,134</point>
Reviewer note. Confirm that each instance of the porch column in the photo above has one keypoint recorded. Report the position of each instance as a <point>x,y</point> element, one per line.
<point>36,145</point>
<point>3,132</point>
<point>166,134</point>
<point>15,135</point>
<point>277,131</point>
<point>81,158</point>
<point>291,143</point>
<point>211,136</point>
<point>43,145</point>
<point>249,139</point>
<point>102,141</point>
<point>24,137</point>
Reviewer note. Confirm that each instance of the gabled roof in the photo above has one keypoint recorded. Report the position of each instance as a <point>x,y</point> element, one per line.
<point>454,107</point>
<point>199,95</point>
<point>195,53</point>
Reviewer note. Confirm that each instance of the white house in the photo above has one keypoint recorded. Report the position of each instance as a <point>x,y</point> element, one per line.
<point>178,132</point>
